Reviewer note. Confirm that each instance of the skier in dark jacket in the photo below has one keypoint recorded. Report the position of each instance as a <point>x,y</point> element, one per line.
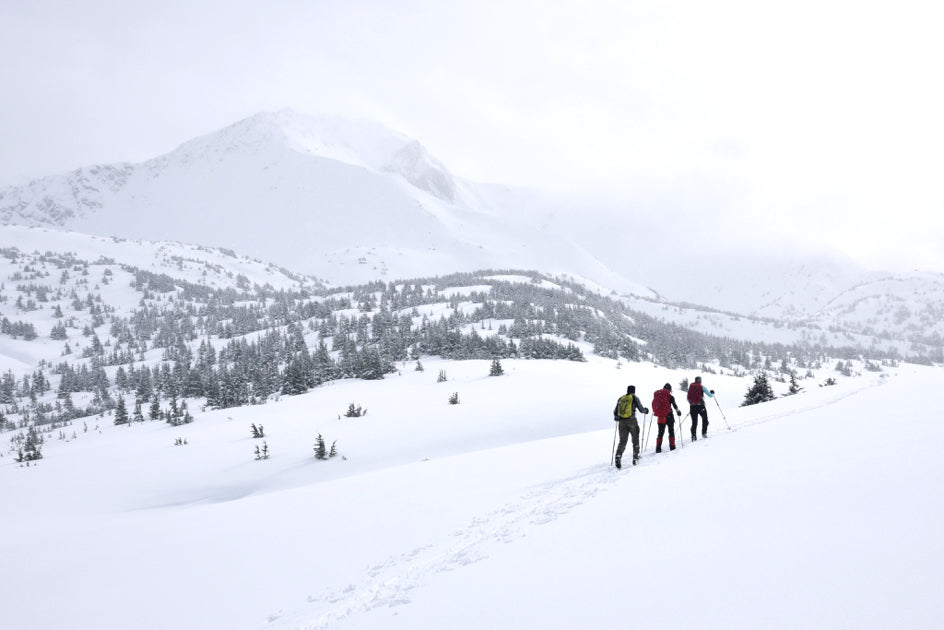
<point>625,414</point>
<point>696,401</point>
<point>667,419</point>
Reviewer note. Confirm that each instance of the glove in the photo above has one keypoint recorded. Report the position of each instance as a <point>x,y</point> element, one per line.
<point>646,411</point>
<point>615,418</point>
<point>712,391</point>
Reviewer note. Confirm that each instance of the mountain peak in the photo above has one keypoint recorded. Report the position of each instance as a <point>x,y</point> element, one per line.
<point>421,169</point>
<point>356,142</point>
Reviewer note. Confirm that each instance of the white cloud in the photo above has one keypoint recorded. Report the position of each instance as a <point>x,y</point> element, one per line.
<point>814,113</point>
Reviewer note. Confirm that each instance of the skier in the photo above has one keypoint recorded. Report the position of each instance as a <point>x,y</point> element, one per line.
<point>696,401</point>
<point>662,404</point>
<point>625,414</point>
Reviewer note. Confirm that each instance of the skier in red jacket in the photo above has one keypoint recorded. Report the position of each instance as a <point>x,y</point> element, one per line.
<point>696,401</point>
<point>662,404</point>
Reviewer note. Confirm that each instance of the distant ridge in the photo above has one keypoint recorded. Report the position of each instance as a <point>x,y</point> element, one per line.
<point>346,200</point>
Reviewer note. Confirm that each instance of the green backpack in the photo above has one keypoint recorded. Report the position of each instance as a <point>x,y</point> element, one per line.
<point>624,408</point>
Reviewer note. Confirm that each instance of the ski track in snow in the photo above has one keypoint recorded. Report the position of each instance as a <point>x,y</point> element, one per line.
<point>390,582</point>
<point>842,395</point>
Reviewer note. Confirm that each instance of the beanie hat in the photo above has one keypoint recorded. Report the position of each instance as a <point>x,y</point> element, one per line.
<point>667,386</point>
<point>698,379</point>
<point>631,389</point>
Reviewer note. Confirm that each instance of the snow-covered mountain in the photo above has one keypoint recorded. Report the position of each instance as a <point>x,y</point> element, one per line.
<point>215,268</point>
<point>350,201</point>
<point>823,301</point>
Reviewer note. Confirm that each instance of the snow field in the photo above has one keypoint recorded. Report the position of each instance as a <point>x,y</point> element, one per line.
<point>818,510</point>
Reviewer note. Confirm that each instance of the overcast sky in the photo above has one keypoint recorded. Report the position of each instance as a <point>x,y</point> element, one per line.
<point>814,118</point>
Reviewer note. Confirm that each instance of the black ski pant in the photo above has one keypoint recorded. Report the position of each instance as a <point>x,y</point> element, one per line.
<point>669,422</point>
<point>627,427</point>
<point>699,410</point>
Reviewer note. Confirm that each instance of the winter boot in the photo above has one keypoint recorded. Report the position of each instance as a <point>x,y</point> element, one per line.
<point>671,443</point>
<point>635,459</point>
<point>658,445</point>
<point>619,462</point>
<point>694,437</point>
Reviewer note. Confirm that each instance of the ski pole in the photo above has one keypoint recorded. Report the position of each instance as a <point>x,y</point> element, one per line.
<point>613,456</point>
<point>648,431</point>
<point>644,437</point>
<point>681,430</point>
<point>722,413</point>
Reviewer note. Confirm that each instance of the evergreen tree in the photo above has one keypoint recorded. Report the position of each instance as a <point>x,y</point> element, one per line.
<point>121,412</point>
<point>138,414</point>
<point>32,448</point>
<point>794,386</point>
<point>759,392</point>
<point>8,388</point>
<point>174,416</point>
<point>185,416</point>
<point>321,452</point>
<point>58,332</point>
<point>496,369</point>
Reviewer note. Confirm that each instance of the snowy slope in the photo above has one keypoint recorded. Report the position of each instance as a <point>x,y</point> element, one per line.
<point>904,312</point>
<point>893,305</point>
<point>193,263</point>
<point>349,201</point>
<point>59,263</point>
<point>501,511</point>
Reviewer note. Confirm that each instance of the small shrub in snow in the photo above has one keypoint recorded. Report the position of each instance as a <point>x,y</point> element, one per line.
<point>257,431</point>
<point>454,398</point>
<point>321,451</point>
<point>829,381</point>
<point>442,376</point>
<point>355,411</point>
<point>262,453</point>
